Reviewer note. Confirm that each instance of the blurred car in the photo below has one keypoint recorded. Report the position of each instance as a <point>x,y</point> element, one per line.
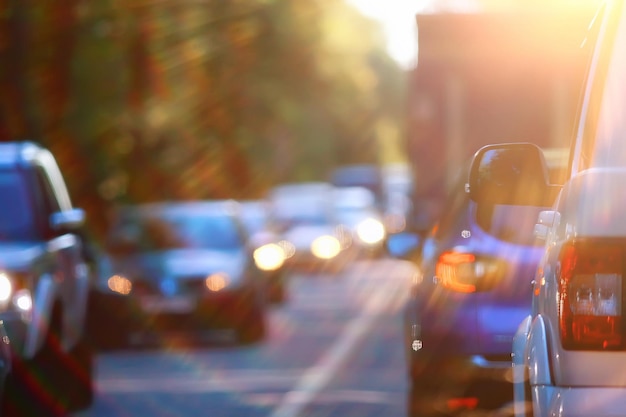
<point>355,208</point>
<point>398,187</point>
<point>313,240</point>
<point>569,353</point>
<point>267,246</point>
<point>44,287</point>
<point>182,266</point>
<point>369,176</point>
<point>464,309</point>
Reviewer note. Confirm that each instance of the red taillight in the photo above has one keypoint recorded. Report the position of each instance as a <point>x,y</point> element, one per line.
<point>466,272</point>
<point>590,295</point>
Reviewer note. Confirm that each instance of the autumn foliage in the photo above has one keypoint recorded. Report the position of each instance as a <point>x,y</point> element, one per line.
<point>144,100</point>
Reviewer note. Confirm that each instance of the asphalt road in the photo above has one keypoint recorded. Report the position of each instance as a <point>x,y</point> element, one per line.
<point>334,349</point>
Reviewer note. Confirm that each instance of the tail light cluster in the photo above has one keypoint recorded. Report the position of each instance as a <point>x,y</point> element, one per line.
<point>590,296</point>
<point>467,272</point>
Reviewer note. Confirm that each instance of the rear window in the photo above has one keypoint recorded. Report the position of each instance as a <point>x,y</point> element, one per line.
<point>154,230</point>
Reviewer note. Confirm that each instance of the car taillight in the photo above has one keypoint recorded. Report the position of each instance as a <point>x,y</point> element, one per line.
<point>466,272</point>
<point>590,296</point>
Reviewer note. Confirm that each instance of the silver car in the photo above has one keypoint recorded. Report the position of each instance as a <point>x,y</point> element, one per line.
<point>569,353</point>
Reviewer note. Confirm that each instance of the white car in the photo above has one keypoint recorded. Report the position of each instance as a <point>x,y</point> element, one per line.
<point>356,209</point>
<point>569,354</point>
<point>313,240</point>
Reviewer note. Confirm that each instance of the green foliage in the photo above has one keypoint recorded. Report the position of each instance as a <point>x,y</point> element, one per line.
<point>179,99</point>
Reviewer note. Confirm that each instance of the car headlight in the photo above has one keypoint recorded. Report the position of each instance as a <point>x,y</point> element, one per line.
<point>269,257</point>
<point>120,284</point>
<point>370,231</point>
<point>217,281</point>
<point>326,247</point>
<point>288,248</point>
<point>13,293</point>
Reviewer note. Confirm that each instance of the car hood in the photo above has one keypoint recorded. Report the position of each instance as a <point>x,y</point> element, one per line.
<point>180,264</point>
<point>18,256</point>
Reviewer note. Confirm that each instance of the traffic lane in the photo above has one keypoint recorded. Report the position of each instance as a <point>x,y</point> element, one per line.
<point>372,381</point>
<point>310,338</point>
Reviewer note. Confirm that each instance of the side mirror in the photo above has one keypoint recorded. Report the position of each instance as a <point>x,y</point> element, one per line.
<point>511,174</point>
<point>68,219</point>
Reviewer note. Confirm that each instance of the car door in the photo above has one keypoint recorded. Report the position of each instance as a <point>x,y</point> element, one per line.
<point>67,266</point>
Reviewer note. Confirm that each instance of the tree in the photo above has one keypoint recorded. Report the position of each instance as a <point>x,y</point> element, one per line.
<point>143,100</point>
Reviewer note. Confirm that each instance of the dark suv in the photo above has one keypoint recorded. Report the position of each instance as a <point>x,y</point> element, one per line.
<point>44,285</point>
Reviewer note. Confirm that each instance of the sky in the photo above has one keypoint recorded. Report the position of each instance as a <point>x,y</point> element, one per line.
<point>397,18</point>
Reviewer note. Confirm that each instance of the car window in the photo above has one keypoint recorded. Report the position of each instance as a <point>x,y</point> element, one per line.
<point>16,216</point>
<point>603,140</point>
<point>48,202</point>
<point>177,230</point>
<point>255,220</point>
<point>301,209</point>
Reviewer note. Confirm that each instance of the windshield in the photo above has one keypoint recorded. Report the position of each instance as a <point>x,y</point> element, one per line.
<point>304,209</point>
<point>352,216</point>
<point>163,230</point>
<point>16,216</point>
<point>305,216</point>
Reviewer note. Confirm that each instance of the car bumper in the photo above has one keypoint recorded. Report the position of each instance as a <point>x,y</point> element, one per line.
<point>130,313</point>
<point>460,369</point>
<point>579,402</point>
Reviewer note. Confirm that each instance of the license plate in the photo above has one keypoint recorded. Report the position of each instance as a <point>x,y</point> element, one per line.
<point>178,304</point>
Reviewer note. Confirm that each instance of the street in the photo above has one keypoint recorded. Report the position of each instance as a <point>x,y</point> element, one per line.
<point>334,349</point>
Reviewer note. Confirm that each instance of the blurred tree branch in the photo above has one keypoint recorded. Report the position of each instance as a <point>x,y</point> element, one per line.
<point>180,99</point>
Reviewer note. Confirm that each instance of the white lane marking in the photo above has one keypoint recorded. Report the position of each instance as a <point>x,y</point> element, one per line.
<point>316,377</point>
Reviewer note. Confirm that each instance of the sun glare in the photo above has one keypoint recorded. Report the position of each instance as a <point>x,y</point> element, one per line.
<point>397,18</point>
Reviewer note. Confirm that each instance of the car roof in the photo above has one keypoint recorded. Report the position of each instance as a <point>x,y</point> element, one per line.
<point>353,197</point>
<point>13,153</point>
<point>305,187</point>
